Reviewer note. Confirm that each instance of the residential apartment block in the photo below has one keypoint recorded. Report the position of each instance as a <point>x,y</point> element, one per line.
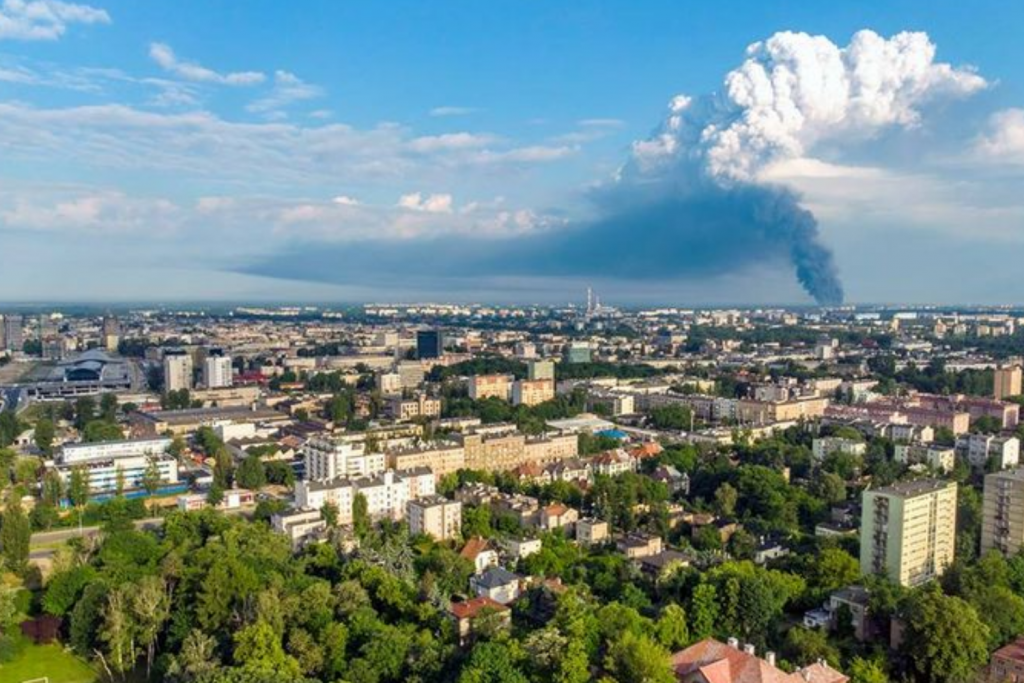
<point>435,516</point>
<point>1002,522</point>
<point>908,530</point>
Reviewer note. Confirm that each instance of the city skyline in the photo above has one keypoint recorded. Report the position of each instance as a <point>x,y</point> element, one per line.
<point>509,156</point>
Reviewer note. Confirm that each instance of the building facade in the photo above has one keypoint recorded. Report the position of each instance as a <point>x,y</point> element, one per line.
<point>908,530</point>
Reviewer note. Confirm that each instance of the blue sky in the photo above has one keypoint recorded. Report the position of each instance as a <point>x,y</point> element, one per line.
<point>171,150</point>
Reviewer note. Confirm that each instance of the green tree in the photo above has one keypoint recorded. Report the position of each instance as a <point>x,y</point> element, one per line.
<point>671,628</point>
<point>101,430</point>
<point>15,535</point>
<point>78,487</point>
<point>151,476</point>
<point>258,650</point>
<point>45,433</point>
<point>53,488</point>
<point>945,640</point>
<point>726,497</point>
<point>150,608</point>
<point>85,412</point>
<point>360,516</point>
<point>638,659</point>
<point>251,474</point>
<point>329,512</point>
<point>108,407</point>
<point>703,611</point>
<point>867,671</point>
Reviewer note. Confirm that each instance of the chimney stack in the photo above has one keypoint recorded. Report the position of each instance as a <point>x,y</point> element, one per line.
<point>750,649</point>
<point>734,643</point>
<point>770,657</point>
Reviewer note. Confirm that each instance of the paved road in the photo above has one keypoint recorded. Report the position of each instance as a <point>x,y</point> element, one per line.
<point>45,543</point>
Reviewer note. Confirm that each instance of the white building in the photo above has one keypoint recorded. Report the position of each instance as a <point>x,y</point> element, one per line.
<point>177,372</point>
<point>389,383</point>
<point>939,458</point>
<point>327,459</point>
<point>217,372</point>
<point>387,494</point>
<point>72,454</point>
<point>827,445</point>
<point>105,473</point>
<point>979,448</point>
<point>300,526</point>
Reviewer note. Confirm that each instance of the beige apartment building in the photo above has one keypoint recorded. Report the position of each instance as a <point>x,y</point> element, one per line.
<point>399,408</point>
<point>502,451</point>
<point>489,386</point>
<point>435,516</point>
<point>532,392</point>
<point>749,411</point>
<point>908,530</point>
<point>442,459</point>
<point>1007,382</point>
<point>1002,523</point>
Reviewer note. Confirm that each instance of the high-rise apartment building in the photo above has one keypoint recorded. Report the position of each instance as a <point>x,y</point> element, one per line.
<point>217,370</point>
<point>429,344</point>
<point>1002,522</point>
<point>110,333</point>
<point>531,392</point>
<point>177,370</point>
<point>1007,381</point>
<point>540,369</point>
<point>908,530</point>
<point>13,339</point>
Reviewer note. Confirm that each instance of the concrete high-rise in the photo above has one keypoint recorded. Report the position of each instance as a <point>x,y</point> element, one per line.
<point>13,339</point>
<point>111,333</point>
<point>217,370</point>
<point>908,530</point>
<point>1002,521</point>
<point>1006,381</point>
<point>177,370</point>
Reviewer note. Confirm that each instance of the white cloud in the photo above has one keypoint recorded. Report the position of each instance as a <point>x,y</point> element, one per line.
<point>87,210</point>
<point>795,91</point>
<point>164,56</point>
<point>429,144</point>
<point>1003,140</point>
<point>602,123</point>
<point>288,89</point>
<point>453,111</point>
<point>344,200</point>
<point>198,145</point>
<point>434,203</point>
<point>44,19</point>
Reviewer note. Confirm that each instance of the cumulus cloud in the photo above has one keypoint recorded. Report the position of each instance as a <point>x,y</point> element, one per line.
<point>694,199</point>
<point>795,91</point>
<point>87,210</point>
<point>1003,139</point>
<point>166,59</point>
<point>45,19</point>
<point>434,203</point>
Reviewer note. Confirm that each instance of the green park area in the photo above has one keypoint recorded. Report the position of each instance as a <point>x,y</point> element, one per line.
<point>49,663</point>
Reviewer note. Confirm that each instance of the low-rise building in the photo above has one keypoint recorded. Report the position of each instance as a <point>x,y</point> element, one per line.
<point>979,449</point>
<point>489,386</point>
<point>435,516</point>
<point>498,584</point>
<point>302,527</point>
<point>590,531</point>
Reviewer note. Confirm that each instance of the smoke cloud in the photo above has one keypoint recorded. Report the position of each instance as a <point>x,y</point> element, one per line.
<point>690,201</point>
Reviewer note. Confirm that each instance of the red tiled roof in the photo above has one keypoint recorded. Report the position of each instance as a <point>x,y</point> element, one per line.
<point>711,661</point>
<point>1013,651</point>
<point>470,609</point>
<point>473,547</point>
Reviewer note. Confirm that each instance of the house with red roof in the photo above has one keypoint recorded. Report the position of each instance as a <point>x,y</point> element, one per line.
<point>712,661</point>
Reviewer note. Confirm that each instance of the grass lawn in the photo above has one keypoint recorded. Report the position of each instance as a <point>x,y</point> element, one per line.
<point>50,661</point>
